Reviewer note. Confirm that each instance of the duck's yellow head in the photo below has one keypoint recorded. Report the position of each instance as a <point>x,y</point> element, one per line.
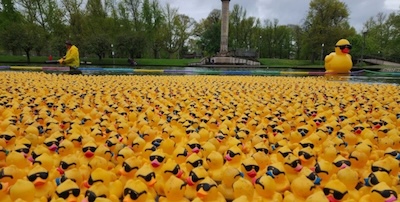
<point>335,190</point>
<point>38,176</point>
<point>20,190</point>
<point>146,175</point>
<point>135,190</point>
<point>383,192</point>
<point>343,46</point>
<point>207,188</point>
<point>68,190</point>
<point>175,188</point>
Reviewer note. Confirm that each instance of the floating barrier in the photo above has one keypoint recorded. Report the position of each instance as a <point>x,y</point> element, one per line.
<point>106,70</point>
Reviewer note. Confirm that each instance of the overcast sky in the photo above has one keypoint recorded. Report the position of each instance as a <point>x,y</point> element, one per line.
<point>286,11</point>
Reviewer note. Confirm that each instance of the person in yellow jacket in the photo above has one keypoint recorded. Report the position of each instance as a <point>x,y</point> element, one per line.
<point>70,59</point>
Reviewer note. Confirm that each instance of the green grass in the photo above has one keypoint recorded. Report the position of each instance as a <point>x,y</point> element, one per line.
<point>287,62</point>
<point>40,60</point>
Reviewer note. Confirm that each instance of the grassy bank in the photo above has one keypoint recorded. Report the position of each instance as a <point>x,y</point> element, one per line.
<point>40,60</point>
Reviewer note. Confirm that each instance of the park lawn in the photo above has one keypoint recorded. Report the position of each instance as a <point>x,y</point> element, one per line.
<point>39,60</point>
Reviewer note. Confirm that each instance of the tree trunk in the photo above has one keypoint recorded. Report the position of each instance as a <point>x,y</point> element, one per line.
<point>28,57</point>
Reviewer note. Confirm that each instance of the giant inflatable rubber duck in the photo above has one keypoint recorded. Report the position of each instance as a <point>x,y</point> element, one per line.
<point>340,60</point>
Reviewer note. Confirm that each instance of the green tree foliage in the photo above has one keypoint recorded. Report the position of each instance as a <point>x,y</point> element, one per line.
<point>326,23</point>
<point>209,32</point>
<point>145,28</point>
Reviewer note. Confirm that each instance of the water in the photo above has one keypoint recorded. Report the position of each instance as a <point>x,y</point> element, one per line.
<point>364,77</point>
<point>356,76</point>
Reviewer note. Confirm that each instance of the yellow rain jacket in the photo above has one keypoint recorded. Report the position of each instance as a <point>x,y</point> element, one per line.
<point>71,59</point>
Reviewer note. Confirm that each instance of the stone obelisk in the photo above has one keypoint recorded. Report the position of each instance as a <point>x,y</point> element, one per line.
<point>223,51</point>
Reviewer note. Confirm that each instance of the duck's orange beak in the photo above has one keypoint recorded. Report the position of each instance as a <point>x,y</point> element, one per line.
<point>39,182</point>
<point>202,194</point>
<point>152,182</point>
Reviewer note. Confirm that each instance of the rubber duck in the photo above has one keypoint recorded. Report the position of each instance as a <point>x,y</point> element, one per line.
<point>37,151</point>
<point>174,190</point>
<point>180,154</point>
<point>195,176</point>
<point>129,168</point>
<point>243,190</point>
<point>324,171</point>
<point>9,137</point>
<point>265,188</point>
<point>136,190</point>
<point>311,175</point>
<point>168,146</point>
<point>192,162</point>
<point>335,190</point>
<point>277,172</point>
<point>193,146</point>
<point>380,192</point>
<point>123,154</point>
<point>292,166</point>
<point>147,176</point>
<point>88,151</point>
<point>349,177</point>
<point>69,191</point>
<point>340,163</point>
<point>47,163</point>
<point>170,168</point>
<point>157,159</point>
<point>73,174</point>
<point>215,162</point>
<point>98,190</point>
<point>250,169</point>
<point>68,162</point>
<point>44,187</point>
<point>9,176</point>
<point>20,189</point>
<point>233,157</point>
<point>101,176</point>
<point>307,157</point>
<point>207,190</point>
<point>301,188</point>
<point>65,148</point>
<point>98,162</point>
<point>19,160</point>
<point>359,161</point>
<point>340,60</point>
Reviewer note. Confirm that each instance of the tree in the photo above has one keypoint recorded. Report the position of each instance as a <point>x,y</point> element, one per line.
<point>209,33</point>
<point>176,30</point>
<point>326,23</point>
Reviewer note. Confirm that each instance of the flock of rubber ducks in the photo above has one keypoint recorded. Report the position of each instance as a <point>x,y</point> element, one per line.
<point>197,138</point>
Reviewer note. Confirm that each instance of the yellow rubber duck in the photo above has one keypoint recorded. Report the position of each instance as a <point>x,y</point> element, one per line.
<point>215,162</point>
<point>335,190</point>
<point>174,189</point>
<point>340,60</point>
<point>20,189</point>
<point>194,178</point>
<point>44,187</point>
<point>170,168</point>
<point>277,172</point>
<point>129,168</point>
<point>207,191</point>
<point>243,190</point>
<point>381,192</point>
<point>300,189</point>
<point>265,188</point>
<point>349,177</point>
<point>69,191</point>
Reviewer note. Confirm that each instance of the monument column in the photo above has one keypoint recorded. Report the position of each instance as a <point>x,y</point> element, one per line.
<point>224,28</point>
